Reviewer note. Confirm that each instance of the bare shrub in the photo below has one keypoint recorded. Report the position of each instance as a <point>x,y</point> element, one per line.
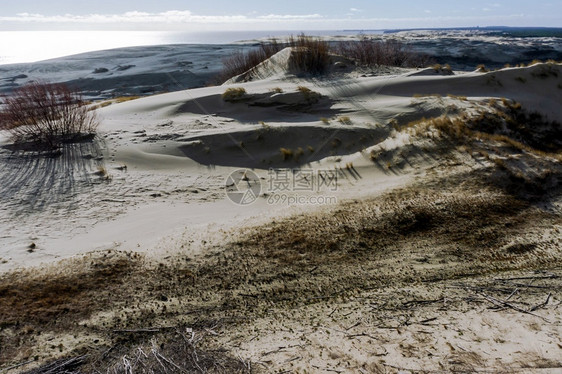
<point>47,115</point>
<point>311,55</point>
<point>240,62</point>
<point>369,52</point>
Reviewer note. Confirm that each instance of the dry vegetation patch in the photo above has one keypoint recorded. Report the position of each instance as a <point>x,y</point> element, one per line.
<point>462,225</point>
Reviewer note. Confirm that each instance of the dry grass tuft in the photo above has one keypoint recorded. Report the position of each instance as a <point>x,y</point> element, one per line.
<point>461,98</point>
<point>482,68</point>
<point>287,153</point>
<point>345,120</point>
<point>427,95</point>
<point>234,94</point>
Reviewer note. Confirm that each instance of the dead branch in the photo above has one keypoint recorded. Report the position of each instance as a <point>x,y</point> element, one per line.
<point>497,302</point>
<point>542,305</point>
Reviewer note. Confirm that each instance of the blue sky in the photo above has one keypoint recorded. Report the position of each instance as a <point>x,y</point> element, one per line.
<point>278,15</point>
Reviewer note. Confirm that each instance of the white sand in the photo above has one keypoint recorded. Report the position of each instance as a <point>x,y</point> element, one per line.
<point>162,191</point>
<point>168,158</point>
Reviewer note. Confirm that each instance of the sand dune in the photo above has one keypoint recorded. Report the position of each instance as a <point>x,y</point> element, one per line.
<point>153,184</point>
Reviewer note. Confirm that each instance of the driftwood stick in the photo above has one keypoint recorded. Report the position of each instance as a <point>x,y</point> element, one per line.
<point>548,276</point>
<point>427,320</point>
<point>362,334</point>
<point>511,306</point>
<point>511,295</point>
<point>138,330</point>
<point>158,360</point>
<point>17,366</point>
<point>541,305</point>
<point>170,362</point>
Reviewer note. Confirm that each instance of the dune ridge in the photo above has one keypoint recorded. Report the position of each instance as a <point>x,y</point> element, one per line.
<point>448,202</point>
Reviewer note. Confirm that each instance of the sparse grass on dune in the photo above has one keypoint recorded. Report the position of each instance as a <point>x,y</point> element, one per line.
<point>122,99</point>
<point>507,123</point>
<point>329,257</point>
<point>233,94</point>
<point>311,55</point>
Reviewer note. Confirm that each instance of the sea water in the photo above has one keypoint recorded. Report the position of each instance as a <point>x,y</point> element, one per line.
<point>32,46</point>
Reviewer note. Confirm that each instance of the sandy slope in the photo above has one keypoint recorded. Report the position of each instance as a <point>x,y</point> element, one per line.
<point>154,183</point>
<point>179,148</point>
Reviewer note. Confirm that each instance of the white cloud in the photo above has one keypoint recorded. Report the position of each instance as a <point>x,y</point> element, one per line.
<point>290,17</point>
<point>172,16</point>
<point>186,20</point>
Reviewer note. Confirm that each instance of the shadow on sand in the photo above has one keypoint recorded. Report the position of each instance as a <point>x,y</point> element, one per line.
<point>34,180</point>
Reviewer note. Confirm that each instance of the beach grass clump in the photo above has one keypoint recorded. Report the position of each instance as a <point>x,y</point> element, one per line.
<point>287,153</point>
<point>47,115</point>
<point>310,97</point>
<point>461,98</point>
<point>418,96</point>
<point>325,120</point>
<point>345,120</point>
<point>233,94</point>
<point>122,99</point>
<point>482,68</point>
<point>276,90</point>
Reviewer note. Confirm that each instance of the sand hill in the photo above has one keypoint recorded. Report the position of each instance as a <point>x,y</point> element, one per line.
<point>437,250</point>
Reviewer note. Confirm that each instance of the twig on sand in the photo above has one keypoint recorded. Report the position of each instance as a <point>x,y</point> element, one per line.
<point>16,366</point>
<point>497,302</point>
<point>541,305</point>
<point>170,362</point>
<point>61,366</point>
<point>547,276</point>
<point>354,325</point>
<point>138,330</point>
<point>361,334</point>
<point>511,294</point>
<point>280,349</point>
<point>425,321</point>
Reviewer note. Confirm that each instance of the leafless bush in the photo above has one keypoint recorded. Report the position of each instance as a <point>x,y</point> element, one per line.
<point>369,52</point>
<point>311,55</point>
<point>241,62</point>
<point>47,115</point>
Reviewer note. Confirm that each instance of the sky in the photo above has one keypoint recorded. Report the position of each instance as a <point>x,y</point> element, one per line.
<point>207,15</point>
